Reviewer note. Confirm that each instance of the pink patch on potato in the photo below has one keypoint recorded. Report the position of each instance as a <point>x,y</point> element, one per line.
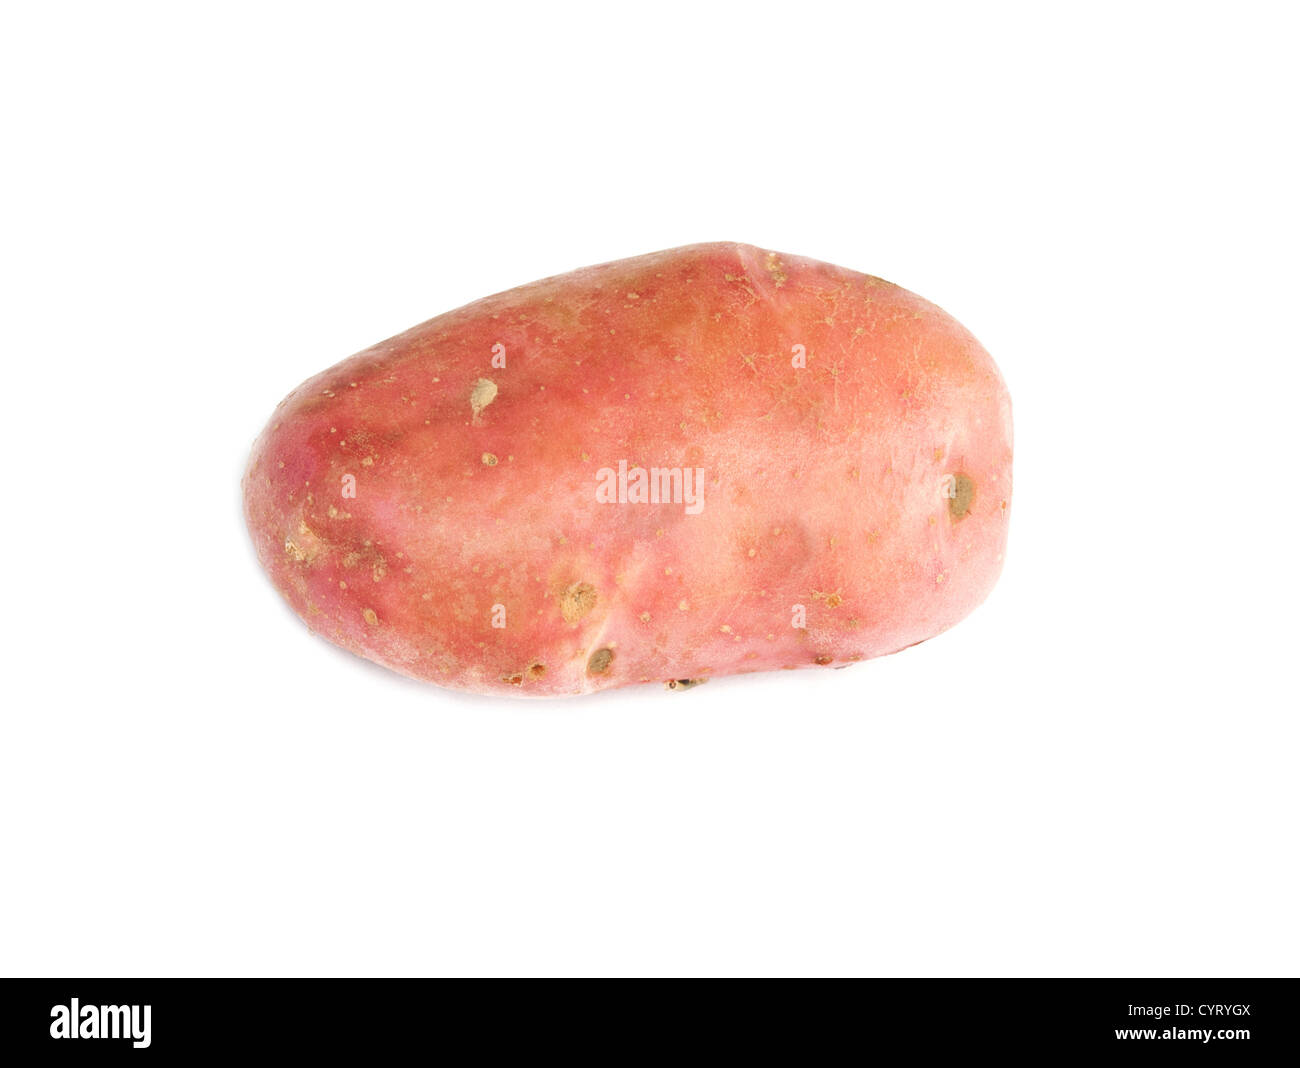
<point>827,449</point>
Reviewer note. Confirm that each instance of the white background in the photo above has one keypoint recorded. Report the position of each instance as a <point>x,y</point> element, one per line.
<point>1095,774</point>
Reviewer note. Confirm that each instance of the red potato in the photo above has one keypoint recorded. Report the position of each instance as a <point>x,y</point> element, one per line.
<point>705,461</point>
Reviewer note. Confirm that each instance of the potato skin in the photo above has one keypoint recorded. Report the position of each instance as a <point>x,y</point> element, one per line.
<point>870,486</point>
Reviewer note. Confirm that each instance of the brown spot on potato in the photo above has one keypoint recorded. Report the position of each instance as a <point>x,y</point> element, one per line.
<point>489,459</point>
<point>823,660</point>
<point>369,616</point>
<point>683,684</point>
<point>578,600</point>
<point>963,495</point>
<point>483,393</point>
<point>514,680</point>
<point>775,270</point>
<point>600,661</point>
<point>537,670</point>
